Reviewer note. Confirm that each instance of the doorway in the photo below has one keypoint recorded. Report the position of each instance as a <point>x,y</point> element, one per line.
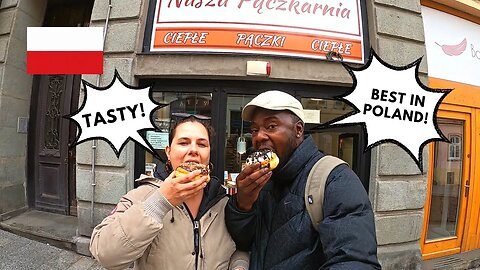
<point>452,208</point>
<point>448,193</point>
<point>345,142</point>
<point>51,182</point>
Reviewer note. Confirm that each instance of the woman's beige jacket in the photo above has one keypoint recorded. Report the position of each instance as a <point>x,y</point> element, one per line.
<point>146,229</point>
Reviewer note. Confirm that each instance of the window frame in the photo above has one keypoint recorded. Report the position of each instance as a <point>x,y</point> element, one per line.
<point>454,146</point>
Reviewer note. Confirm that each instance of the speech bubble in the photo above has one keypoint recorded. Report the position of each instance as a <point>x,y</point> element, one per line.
<point>115,114</point>
<point>393,106</point>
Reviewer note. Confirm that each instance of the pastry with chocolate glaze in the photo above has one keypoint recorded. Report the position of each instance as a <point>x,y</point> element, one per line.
<point>267,159</point>
<point>188,167</point>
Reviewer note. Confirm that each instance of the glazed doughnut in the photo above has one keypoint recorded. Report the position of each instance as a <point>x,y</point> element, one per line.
<point>266,158</point>
<point>188,167</point>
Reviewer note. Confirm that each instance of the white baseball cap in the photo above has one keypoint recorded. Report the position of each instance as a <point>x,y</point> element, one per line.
<point>273,100</point>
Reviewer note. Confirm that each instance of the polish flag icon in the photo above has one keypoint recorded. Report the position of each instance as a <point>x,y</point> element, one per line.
<point>64,50</point>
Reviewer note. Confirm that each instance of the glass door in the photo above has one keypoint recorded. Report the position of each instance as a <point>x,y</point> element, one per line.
<point>448,187</point>
<point>345,142</point>
<point>177,103</point>
<point>238,139</point>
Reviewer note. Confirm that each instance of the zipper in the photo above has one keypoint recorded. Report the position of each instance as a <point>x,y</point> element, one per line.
<point>196,240</point>
<point>196,223</point>
<point>196,232</point>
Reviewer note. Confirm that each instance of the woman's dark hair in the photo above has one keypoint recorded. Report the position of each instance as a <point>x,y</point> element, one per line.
<point>192,118</point>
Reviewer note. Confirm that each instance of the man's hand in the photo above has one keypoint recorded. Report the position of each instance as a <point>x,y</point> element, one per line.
<point>249,183</point>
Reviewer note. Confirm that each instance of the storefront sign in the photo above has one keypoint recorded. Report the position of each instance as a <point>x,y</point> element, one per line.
<point>453,47</point>
<point>298,28</point>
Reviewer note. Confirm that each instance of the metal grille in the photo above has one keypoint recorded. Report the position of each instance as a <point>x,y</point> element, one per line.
<point>448,263</point>
<point>56,86</point>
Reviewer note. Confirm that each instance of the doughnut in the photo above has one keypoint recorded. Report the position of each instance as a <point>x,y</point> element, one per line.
<point>266,158</point>
<point>188,167</point>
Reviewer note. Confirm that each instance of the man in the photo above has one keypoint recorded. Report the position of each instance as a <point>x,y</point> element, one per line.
<point>268,215</point>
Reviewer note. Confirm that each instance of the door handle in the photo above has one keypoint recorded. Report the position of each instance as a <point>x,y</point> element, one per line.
<point>467,187</point>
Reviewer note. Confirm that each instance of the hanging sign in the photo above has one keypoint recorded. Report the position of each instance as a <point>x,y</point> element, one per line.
<point>453,47</point>
<point>297,28</point>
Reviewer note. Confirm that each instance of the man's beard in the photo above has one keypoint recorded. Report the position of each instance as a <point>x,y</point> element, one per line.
<point>291,147</point>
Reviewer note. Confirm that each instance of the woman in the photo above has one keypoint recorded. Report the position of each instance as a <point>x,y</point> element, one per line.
<point>177,223</point>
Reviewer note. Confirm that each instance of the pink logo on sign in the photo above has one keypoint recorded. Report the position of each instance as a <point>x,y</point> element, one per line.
<point>454,50</point>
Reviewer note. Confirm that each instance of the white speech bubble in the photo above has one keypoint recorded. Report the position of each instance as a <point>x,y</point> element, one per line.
<point>394,106</point>
<point>115,114</point>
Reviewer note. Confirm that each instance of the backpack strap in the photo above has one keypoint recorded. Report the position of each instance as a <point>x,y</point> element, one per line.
<point>315,187</point>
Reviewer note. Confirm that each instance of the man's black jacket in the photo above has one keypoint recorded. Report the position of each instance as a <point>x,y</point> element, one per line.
<point>278,230</point>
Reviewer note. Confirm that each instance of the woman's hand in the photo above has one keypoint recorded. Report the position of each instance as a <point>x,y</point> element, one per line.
<point>178,189</point>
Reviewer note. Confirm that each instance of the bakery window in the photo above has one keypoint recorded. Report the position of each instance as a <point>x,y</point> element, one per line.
<point>345,142</point>
<point>177,104</point>
<point>238,139</point>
